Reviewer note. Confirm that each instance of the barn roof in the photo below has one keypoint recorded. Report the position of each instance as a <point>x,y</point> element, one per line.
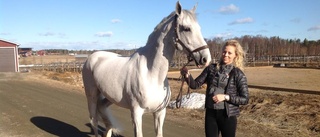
<point>9,42</point>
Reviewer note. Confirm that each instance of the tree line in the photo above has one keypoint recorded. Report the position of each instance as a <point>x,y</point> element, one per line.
<point>259,47</point>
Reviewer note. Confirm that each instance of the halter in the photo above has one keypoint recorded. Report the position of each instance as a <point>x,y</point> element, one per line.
<point>178,40</point>
<point>190,58</point>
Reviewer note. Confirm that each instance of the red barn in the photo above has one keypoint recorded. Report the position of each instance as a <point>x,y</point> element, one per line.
<point>9,61</point>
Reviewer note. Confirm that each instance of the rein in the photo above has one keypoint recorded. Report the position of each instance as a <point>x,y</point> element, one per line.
<point>183,79</point>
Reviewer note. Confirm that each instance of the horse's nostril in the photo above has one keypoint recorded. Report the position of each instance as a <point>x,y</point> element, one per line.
<point>204,60</point>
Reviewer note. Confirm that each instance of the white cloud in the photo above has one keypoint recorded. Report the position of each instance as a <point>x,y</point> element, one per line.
<point>124,45</point>
<point>61,35</point>
<point>115,20</point>
<point>265,24</point>
<point>242,21</point>
<point>224,35</point>
<point>104,34</point>
<point>262,31</point>
<point>4,33</point>
<point>314,28</point>
<point>296,20</point>
<point>230,9</point>
<point>77,45</point>
<point>47,34</point>
<point>53,34</point>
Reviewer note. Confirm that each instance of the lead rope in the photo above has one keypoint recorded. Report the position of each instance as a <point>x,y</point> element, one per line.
<point>183,79</point>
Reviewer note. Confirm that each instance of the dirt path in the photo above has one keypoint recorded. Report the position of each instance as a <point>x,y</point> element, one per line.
<point>31,107</point>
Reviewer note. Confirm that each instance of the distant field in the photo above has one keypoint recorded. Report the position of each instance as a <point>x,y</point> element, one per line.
<point>46,59</point>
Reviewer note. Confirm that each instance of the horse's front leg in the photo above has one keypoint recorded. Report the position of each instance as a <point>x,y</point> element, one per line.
<point>158,121</point>
<point>136,115</point>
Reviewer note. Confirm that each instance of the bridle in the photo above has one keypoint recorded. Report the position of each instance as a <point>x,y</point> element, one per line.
<point>190,56</point>
<point>177,41</point>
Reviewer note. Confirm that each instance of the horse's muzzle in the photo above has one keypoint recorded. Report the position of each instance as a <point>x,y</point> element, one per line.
<point>202,57</point>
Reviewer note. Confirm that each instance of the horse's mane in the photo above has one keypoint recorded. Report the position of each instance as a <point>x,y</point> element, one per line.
<point>165,20</point>
<point>185,12</point>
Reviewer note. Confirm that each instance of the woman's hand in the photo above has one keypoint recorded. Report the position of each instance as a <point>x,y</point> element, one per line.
<point>219,98</point>
<point>184,72</point>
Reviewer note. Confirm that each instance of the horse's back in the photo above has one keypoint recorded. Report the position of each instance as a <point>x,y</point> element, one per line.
<point>99,56</point>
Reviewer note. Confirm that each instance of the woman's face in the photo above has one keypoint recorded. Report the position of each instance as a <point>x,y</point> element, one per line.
<point>228,54</point>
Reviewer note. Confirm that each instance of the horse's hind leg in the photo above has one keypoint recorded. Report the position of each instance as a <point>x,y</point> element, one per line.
<point>158,121</point>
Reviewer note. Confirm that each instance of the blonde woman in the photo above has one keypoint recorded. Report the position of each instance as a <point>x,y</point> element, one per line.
<point>227,88</point>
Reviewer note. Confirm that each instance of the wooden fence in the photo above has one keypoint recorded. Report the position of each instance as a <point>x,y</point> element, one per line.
<point>56,67</point>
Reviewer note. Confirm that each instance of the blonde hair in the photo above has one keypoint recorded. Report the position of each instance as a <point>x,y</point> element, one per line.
<point>240,54</point>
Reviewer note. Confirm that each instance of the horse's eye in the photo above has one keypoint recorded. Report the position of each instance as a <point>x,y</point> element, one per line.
<point>186,28</point>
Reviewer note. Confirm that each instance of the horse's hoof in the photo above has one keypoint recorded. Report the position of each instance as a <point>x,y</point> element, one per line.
<point>109,133</point>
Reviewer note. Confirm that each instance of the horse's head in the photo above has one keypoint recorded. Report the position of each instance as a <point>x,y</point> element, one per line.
<point>189,37</point>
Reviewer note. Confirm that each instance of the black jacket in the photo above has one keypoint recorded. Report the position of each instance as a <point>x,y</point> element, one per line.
<point>237,88</point>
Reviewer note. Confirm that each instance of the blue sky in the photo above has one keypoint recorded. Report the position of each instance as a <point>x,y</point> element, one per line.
<point>126,24</point>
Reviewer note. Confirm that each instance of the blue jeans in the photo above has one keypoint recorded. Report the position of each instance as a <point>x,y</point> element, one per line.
<point>216,121</point>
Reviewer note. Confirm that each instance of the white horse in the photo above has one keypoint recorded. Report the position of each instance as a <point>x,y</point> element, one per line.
<point>139,82</point>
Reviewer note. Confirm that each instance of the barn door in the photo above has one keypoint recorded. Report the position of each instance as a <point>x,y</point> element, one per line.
<point>7,60</point>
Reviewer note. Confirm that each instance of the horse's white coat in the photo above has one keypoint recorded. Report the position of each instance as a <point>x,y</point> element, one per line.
<point>139,82</point>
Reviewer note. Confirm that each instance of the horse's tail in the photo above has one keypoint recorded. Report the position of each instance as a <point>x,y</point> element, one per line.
<point>112,125</point>
<point>91,91</point>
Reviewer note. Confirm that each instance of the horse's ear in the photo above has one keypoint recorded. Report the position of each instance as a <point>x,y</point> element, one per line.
<point>178,8</point>
<point>193,10</point>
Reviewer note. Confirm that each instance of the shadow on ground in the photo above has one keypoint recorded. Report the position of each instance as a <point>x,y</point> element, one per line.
<point>58,128</point>
<point>62,129</point>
